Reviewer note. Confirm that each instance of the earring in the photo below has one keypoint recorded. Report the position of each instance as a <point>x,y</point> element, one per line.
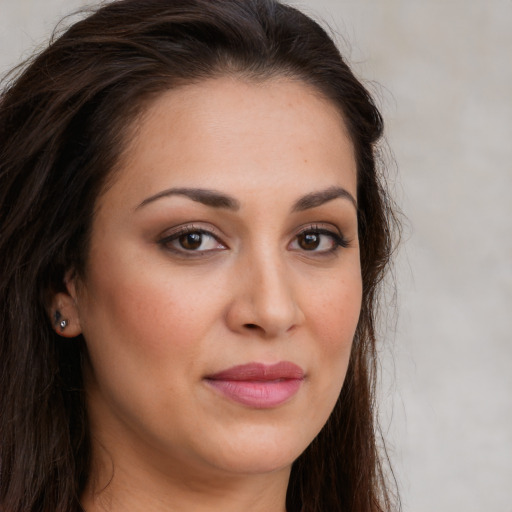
<point>61,323</point>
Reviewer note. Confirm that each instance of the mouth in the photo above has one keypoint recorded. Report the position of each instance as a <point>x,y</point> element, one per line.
<point>258,385</point>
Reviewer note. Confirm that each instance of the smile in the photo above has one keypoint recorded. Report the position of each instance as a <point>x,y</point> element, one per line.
<point>258,385</point>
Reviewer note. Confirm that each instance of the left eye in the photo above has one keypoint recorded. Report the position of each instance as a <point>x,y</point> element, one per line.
<point>317,241</point>
<point>192,241</point>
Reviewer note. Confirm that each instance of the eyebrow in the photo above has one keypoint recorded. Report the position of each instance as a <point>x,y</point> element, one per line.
<point>207,197</point>
<point>217,199</point>
<point>315,199</point>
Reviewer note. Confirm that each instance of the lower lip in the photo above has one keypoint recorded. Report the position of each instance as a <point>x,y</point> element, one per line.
<point>258,394</point>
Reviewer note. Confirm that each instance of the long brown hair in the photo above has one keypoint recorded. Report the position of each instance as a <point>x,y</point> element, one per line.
<point>63,124</point>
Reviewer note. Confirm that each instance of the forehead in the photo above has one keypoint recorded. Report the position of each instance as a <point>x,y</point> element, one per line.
<point>271,133</point>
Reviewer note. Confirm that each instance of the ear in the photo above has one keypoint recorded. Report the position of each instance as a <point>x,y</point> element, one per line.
<point>64,309</point>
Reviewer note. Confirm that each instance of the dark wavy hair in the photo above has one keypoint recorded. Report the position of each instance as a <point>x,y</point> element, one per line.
<point>64,122</point>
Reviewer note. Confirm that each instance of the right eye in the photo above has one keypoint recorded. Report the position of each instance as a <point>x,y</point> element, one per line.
<point>192,240</point>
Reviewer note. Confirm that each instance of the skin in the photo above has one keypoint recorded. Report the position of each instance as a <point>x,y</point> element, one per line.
<point>159,317</point>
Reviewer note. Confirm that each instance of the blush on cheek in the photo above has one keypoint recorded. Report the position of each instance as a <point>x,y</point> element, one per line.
<point>339,313</point>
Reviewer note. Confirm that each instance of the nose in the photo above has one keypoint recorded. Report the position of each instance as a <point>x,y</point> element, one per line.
<point>265,301</point>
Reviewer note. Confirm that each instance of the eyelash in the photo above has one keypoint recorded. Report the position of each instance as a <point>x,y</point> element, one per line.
<point>338,241</point>
<point>167,241</point>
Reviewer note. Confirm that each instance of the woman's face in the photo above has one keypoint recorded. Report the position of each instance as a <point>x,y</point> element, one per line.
<point>223,284</point>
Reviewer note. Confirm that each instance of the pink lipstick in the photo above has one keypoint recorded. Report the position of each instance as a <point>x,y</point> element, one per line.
<point>259,385</point>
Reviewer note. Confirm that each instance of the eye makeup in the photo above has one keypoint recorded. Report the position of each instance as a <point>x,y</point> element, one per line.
<point>192,240</point>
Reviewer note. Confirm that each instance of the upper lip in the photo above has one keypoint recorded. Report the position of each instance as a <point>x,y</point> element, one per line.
<point>260,372</point>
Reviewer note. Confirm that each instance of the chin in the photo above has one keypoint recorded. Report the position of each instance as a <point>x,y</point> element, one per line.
<point>258,451</point>
<point>257,463</point>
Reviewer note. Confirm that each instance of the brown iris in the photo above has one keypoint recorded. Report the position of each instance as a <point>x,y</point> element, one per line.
<point>191,241</point>
<point>309,241</point>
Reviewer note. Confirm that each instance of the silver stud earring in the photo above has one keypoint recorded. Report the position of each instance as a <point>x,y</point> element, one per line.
<point>61,323</point>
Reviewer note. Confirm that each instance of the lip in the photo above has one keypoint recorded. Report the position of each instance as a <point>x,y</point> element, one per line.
<point>259,385</point>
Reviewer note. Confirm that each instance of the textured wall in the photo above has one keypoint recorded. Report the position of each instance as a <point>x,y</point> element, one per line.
<point>444,76</point>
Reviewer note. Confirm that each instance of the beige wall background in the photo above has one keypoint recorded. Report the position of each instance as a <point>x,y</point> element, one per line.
<point>442,73</point>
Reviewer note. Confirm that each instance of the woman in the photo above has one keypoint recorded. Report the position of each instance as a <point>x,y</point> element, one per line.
<point>192,235</point>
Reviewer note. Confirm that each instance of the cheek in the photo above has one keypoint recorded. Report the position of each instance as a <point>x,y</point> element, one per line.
<point>146,337</point>
<point>148,324</point>
<point>335,313</point>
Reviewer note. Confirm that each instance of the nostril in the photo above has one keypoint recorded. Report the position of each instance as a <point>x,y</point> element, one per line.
<point>251,326</point>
